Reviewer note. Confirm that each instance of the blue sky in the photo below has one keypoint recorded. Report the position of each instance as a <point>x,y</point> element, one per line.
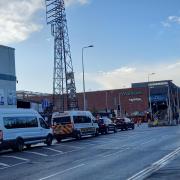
<point>131,38</point>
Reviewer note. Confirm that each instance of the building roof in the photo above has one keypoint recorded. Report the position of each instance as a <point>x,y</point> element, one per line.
<point>145,84</point>
<point>3,46</point>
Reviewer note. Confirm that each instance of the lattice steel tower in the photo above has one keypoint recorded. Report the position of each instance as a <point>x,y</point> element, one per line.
<point>63,76</point>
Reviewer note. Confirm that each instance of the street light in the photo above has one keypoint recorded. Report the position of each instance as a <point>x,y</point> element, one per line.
<point>84,89</point>
<point>149,93</point>
<point>150,74</point>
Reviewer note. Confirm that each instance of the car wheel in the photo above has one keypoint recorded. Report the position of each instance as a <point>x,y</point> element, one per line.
<point>97,133</point>
<point>126,128</point>
<point>133,128</point>
<point>78,136</point>
<point>58,139</point>
<point>49,140</point>
<point>115,130</point>
<point>28,146</point>
<point>19,145</point>
<point>107,130</point>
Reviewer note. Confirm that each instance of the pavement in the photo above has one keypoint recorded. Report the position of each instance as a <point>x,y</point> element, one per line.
<point>143,153</point>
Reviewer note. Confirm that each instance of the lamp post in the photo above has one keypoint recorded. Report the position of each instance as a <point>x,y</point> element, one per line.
<point>84,88</point>
<point>149,93</point>
<point>120,109</point>
<point>178,103</point>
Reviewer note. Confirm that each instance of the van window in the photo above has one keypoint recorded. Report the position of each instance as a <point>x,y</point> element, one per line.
<point>43,124</point>
<point>20,122</point>
<point>62,120</point>
<point>81,119</point>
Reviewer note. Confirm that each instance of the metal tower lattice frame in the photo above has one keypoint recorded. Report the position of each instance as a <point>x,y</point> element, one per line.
<point>63,76</point>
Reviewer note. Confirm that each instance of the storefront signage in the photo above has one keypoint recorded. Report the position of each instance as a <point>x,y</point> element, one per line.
<point>158,98</point>
<point>135,99</point>
<point>130,93</point>
<point>158,84</point>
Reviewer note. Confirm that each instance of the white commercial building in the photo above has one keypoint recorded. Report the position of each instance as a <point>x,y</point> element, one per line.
<point>7,77</point>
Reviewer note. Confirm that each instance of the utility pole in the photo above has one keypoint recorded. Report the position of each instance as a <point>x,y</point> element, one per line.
<point>64,88</point>
<point>106,100</point>
<point>120,104</point>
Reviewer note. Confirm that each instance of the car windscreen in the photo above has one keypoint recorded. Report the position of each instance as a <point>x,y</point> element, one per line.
<point>127,120</point>
<point>62,120</point>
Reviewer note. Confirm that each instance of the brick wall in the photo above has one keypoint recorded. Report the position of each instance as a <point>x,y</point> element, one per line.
<point>131,100</point>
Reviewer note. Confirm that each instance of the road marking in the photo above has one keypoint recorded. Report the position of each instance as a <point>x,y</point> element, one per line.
<point>87,143</point>
<point>70,146</point>
<point>155,166</point>
<point>36,153</point>
<point>65,152</point>
<point>61,172</point>
<point>147,142</point>
<point>112,154</point>
<point>5,165</point>
<point>79,160</point>
<point>55,150</point>
<point>18,164</point>
<point>15,157</point>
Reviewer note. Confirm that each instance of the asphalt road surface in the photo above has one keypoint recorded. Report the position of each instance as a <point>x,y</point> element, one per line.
<point>143,153</point>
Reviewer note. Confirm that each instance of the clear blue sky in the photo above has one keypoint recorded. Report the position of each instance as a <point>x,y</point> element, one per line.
<point>131,37</point>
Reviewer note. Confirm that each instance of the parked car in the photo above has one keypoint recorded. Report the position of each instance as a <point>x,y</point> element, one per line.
<point>23,127</point>
<point>124,124</point>
<point>106,125</point>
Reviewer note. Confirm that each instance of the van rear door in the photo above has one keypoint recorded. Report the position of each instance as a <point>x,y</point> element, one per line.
<point>84,124</point>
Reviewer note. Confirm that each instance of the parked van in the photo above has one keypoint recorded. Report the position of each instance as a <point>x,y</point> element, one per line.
<point>74,124</point>
<point>22,127</point>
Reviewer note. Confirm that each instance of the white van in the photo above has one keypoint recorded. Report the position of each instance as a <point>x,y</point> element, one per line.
<point>74,124</point>
<point>22,127</point>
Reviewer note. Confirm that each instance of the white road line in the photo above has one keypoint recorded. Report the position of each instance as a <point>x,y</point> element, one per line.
<point>15,157</point>
<point>79,160</point>
<point>66,152</point>
<point>18,164</point>
<point>137,142</point>
<point>87,143</point>
<point>13,165</point>
<point>112,154</point>
<point>61,172</point>
<point>69,146</point>
<point>147,142</point>
<point>36,153</point>
<point>5,165</point>
<point>55,150</point>
<point>155,166</point>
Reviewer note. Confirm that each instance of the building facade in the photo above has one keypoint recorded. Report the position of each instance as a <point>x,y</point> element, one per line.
<point>164,100</point>
<point>129,101</point>
<point>7,77</point>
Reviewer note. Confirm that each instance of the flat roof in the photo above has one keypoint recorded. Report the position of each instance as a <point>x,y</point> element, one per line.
<point>16,111</point>
<point>3,46</point>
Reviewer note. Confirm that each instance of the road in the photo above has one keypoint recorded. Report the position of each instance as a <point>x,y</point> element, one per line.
<point>133,154</point>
